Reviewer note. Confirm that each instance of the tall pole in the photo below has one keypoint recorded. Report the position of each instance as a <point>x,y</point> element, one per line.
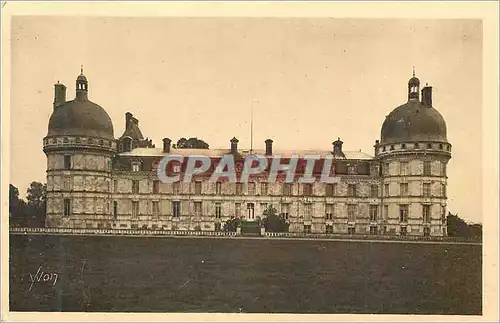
<point>251,127</point>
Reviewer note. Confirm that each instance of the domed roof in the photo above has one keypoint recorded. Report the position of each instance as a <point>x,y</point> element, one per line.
<point>81,117</point>
<point>413,121</point>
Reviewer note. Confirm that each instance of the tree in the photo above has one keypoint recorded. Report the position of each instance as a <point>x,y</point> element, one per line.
<point>192,142</point>
<point>36,197</point>
<point>17,207</point>
<point>274,222</point>
<point>457,227</point>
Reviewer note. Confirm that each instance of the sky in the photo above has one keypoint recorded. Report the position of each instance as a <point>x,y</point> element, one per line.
<point>309,80</point>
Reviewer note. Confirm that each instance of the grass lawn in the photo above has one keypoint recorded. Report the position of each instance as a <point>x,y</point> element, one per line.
<point>130,274</point>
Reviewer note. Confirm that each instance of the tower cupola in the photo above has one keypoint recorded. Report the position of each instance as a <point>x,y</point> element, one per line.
<point>413,88</point>
<point>82,86</point>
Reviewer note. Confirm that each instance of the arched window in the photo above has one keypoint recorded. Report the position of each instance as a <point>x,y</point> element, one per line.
<point>127,144</point>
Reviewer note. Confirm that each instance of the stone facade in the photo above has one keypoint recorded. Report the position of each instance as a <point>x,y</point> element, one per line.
<point>96,182</point>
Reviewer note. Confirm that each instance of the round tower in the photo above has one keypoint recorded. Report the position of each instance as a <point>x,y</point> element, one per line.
<point>79,146</point>
<point>413,151</point>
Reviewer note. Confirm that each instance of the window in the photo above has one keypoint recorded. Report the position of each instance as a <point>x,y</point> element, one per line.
<point>373,213</point>
<point>443,169</point>
<point>197,209</point>
<point>115,185</point>
<point>136,167</point>
<point>115,208</point>
<point>351,230</point>
<point>403,146</point>
<point>404,168</point>
<point>403,189</point>
<point>330,190</point>
<point>443,214</point>
<point>427,168</point>
<point>373,229</point>
<point>135,208</point>
<point>351,190</point>
<point>217,227</point>
<point>287,189</point>
<point>329,211</point>
<point>67,207</point>
<point>218,188</point>
<point>156,208</point>
<point>176,168</point>
<point>443,190</point>
<point>383,148</point>
<point>386,169</point>
<point>374,191</point>
<point>237,209</point>
<point>156,187</point>
<point>307,211</point>
<point>285,210</point>
<point>441,146</point>
<point>403,213</point>
<point>426,213</point>
<point>307,189</point>
<point>403,231</point>
<point>176,209</point>
<point>386,190</point>
<point>351,212</point>
<point>218,211</point>
<point>67,162</point>
<point>251,188</point>
<point>427,231</point>
<point>66,183</point>
<point>135,187</point>
<point>263,188</point>
<point>329,228</point>
<point>386,212</point>
<point>307,228</point>
<point>197,188</point>
<point>429,146</point>
<point>263,207</point>
<point>427,189</point>
<point>417,146</point>
<point>239,188</point>
<point>176,188</point>
<point>392,147</point>
<point>250,211</point>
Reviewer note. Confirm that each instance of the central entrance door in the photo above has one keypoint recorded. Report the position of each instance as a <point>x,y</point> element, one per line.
<point>250,211</point>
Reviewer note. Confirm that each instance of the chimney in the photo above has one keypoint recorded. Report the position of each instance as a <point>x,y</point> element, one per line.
<point>128,117</point>
<point>166,145</point>
<point>234,146</point>
<point>427,96</point>
<point>269,147</point>
<point>337,148</point>
<point>59,94</point>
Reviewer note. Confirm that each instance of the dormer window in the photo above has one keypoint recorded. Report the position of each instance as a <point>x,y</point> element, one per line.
<point>429,146</point>
<point>417,146</point>
<point>392,147</point>
<point>136,167</point>
<point>403,146</point>
<point>127,144</point>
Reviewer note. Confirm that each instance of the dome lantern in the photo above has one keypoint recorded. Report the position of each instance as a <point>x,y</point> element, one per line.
<point>413,87</point>
<point>82,86</point>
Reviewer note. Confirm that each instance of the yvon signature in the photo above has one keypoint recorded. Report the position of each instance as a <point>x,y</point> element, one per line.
<point>44,277</point>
